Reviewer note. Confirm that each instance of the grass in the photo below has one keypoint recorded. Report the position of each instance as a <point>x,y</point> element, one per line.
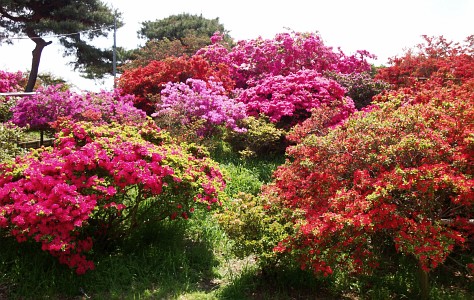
<point>191,259</point>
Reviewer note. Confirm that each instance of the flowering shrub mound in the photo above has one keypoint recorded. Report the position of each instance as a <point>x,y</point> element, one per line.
<point>109,107</point>
<point>185,103</point>
<point>399,176</point>
<point>46,106</point>
<point>53,102</point>
<point>361,87</point>
<point>98,183</point>
<point>287,53</point>
<point>148,81</point>
<point>436,60</point>
<point>294,96</point>
<point>11,82</point>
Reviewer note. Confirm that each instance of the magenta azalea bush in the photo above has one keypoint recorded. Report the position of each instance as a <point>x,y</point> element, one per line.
<point>197,100</point>
<point>287,53</point>
<point>53,102</point>
<point>46,106</point>
<point>98,183</point>
<point>294,96</point>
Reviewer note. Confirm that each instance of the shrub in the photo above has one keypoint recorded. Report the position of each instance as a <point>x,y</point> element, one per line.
<point>109,107</point>
<point>11,82</point>
<point>99,183</point>
<point>397,177</point>
<point>6,104</point>
<point>9,136</point>
<point>261,138</point>
<point>256,227</point>
<point>361,87</point>
<point>54,102</point>
<point>46,106</point>
<point>196,100</point>
<point>436,60</point>
<point>287,53</point>
<point>289,99</point>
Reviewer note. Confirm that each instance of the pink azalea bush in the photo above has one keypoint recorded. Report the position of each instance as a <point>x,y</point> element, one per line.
<point>197,100</point>
<point>294,96</point>
<point>98,183</point>
<point>287,53</point>
<point>110,107</point>
<point>11,82</point>
<point>46,106</point>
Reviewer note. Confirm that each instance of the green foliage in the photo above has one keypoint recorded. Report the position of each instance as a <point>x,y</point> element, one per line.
<point>256,227</point>
<point>261,139</point>
<point>9,136</point>
<point>361,87</point>
<point>242,180</point>
<point>177,27</point>
<point>6,103</point>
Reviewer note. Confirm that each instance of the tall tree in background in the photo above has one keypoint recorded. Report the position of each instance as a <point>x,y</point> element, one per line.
<point>66,19</point>
<point>178,27</point>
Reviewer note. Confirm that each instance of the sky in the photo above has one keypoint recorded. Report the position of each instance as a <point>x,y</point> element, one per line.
<point>385,28</point>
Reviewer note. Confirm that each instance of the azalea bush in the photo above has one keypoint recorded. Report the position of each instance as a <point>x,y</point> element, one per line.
<point>98,183</point>
<point>396,178</point>
<point>11,82</point>
<point>198,101</point>
<point>436,59</point>
<point>53,102</point>
<point>261,138</point>
<point>288,100</point>
<point>255,227</point>
<point>361,87</point>
<point>286,53</point>
<point>109,107</point>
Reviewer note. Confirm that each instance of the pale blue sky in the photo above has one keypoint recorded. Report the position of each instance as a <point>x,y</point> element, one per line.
<point>383,27</point>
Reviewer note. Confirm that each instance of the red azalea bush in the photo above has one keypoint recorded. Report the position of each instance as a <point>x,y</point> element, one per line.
<point>148,81</point>
<point>399,176</point>
<point>99,182</point>
<point>436,60</point>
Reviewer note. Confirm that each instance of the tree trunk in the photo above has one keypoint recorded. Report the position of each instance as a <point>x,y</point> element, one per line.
<point>36,53</point>
<point>424,283</point>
